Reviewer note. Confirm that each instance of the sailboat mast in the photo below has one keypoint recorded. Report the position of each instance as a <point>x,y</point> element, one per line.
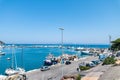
<point>22,58</point>
<point>12,58</point>
<point>14,62</point>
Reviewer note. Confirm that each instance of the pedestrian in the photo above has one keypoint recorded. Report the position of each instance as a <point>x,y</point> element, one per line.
<point>78,69</point>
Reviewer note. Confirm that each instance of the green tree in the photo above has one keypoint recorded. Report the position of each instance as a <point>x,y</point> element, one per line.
<point>109,60</point>
<point>78,77</point>
<point>116,44</point>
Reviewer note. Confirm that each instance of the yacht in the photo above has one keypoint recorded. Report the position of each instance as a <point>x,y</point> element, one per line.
<point>16,70</point>
<point>11,71</point>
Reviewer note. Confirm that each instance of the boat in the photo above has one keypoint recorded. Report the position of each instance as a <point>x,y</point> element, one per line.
<point>11,71</point>
<point>78,49</point>
<point>50,60</point>
<point>86,52</point>
<point>2,53</point>
<point>20,70</point>
<point>14,69</point>
<point>8,58</point>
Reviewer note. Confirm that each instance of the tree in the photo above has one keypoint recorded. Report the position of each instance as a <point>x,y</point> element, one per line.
<point>78,77</point>
<point>109,60</point>
<point>116,44</point>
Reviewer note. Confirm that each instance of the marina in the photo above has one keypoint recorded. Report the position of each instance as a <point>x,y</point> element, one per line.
<point>59,40</point>
<point>20,58</point>
<point>38,55</point>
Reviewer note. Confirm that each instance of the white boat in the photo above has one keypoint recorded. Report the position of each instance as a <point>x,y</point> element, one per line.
<point>86,51</point>
<point>11,71</point>
<point>2,53</point>
<point>1,47</point>
<point>8,58</point>
<point>20,70</point>
<point>16,70</point>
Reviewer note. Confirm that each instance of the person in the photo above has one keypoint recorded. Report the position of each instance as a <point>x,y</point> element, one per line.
<point>24,77</point>
<point>78,69</point>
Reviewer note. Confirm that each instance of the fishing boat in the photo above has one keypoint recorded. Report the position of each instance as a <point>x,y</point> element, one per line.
<point>50,60</point>
<point>14,69</point>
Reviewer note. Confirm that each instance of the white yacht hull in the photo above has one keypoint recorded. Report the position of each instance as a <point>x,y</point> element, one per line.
<point>14,71</point>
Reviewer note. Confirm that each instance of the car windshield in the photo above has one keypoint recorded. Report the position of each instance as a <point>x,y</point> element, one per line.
<point>44,67</point>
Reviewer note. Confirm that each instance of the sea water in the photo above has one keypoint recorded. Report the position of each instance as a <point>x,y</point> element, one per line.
<point>33,58</point>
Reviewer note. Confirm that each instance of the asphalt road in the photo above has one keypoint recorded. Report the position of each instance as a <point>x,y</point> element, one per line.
<point>56,72</point>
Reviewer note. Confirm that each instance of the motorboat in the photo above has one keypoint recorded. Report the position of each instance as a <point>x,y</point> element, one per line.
<point>8,58</point>
<point>79,48</point>
<point>2,53</point>
<point>87,52</point>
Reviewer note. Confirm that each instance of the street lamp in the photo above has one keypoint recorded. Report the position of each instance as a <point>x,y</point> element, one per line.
<point>110,42</point>
<point>61,29</point>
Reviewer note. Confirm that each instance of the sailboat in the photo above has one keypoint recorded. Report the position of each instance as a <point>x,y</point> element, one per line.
<point>14,69</point>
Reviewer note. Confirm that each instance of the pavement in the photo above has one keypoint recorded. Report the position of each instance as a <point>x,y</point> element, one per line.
<point>95,72</point>
<point>58,71</point>
<point>113,73</point>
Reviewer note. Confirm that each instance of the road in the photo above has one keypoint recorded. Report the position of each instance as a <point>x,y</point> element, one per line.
<point>55,72</point>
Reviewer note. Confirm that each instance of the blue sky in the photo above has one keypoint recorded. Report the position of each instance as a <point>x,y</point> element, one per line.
<point>37,21</point>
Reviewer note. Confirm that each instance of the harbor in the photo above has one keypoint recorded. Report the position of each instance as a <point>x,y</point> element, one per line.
<point>38,55</point>
<point>50,58</point>
<point>59,40</point>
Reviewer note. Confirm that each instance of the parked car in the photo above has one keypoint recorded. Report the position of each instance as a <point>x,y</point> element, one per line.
<point>82,64</point>
<point>45,68</point>
<point>102,57</point>
<point>96,62</point>
<point>67,62</point>
<point>118,54</point>
<point>90,64</point>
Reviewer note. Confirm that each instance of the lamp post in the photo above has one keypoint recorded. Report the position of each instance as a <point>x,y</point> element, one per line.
<point>110,42</point>
<point>61,29</point>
